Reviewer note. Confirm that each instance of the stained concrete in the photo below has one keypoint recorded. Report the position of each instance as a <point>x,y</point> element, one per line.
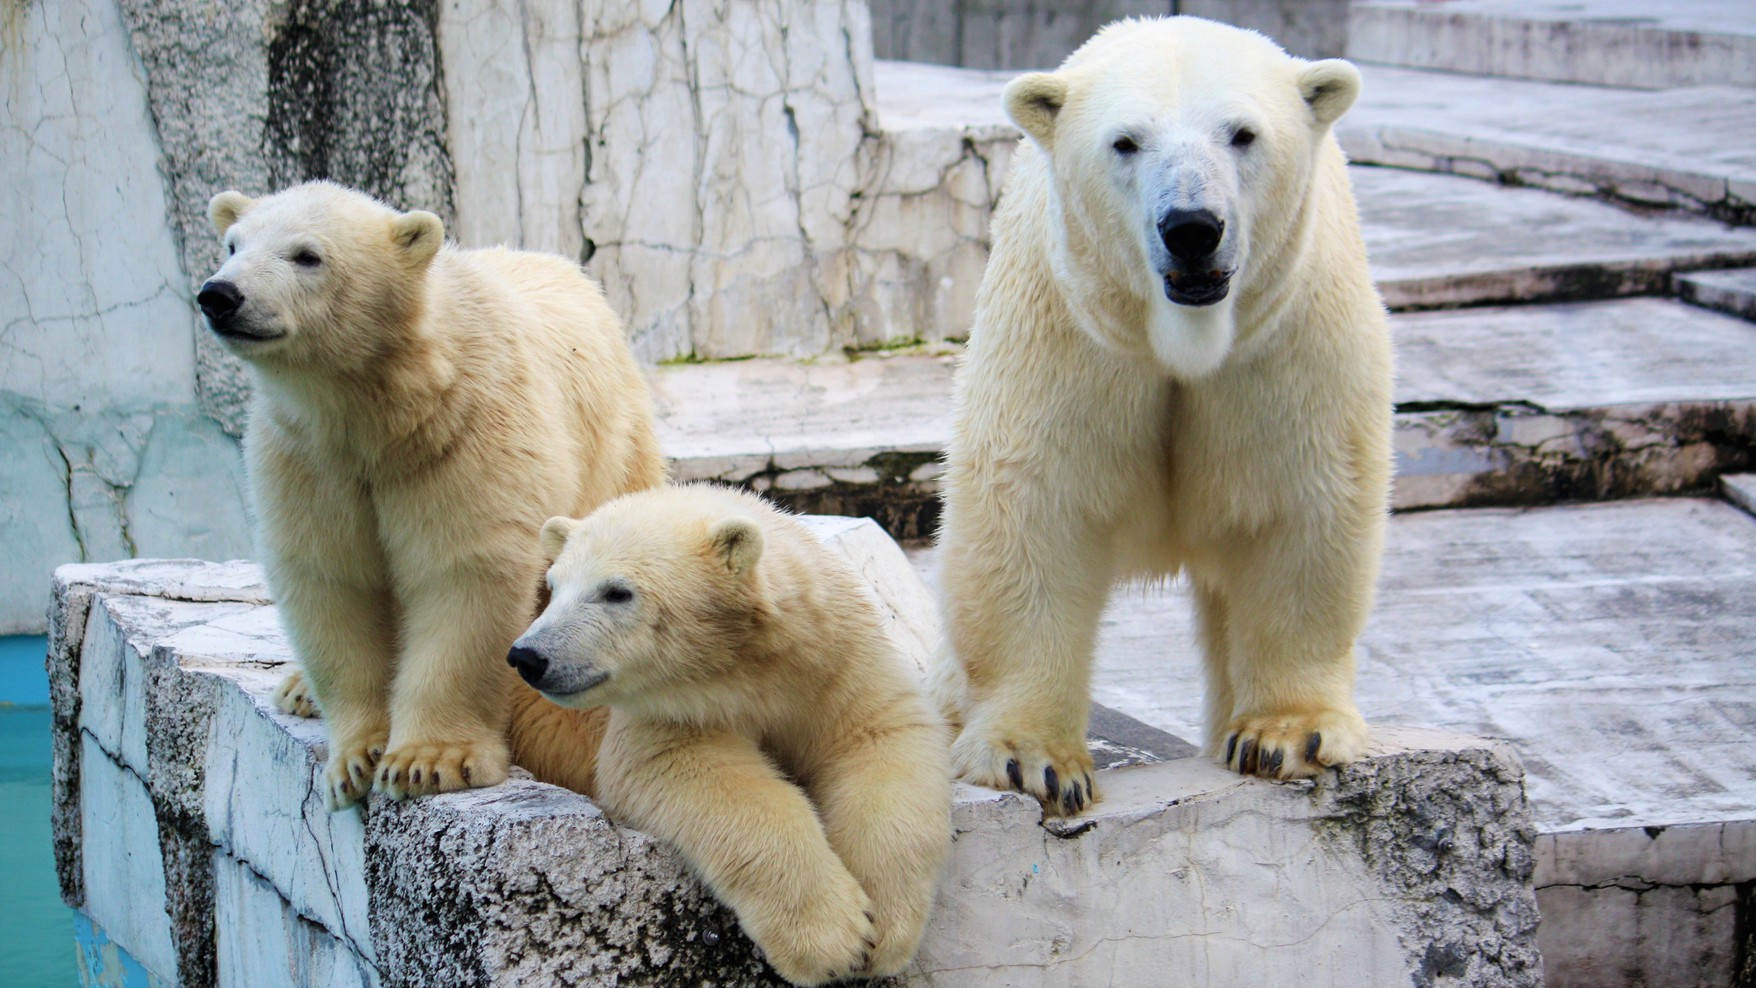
<point>1740,489</point>
<point>1605,42</point>
<point>1641,147</point>
<point>1496,405</point>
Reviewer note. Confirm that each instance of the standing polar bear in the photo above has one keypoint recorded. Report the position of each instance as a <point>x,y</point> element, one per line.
<point>762,720</point>
<point>419,411</point>
<point>1179,364</point>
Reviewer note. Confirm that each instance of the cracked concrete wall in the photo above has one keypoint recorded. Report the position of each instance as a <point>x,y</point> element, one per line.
<point>103,451</point>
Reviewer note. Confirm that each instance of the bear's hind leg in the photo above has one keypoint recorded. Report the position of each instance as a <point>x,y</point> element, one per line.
<point>751,835</point>
<point>885,799</point>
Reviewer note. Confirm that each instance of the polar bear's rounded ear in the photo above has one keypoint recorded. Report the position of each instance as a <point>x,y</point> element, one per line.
<point>418,232</point>
<point>738,541</point>
<point>1329,88</point>
<point>224,209</point>
<point>1033,101</point>
<point>554,535</point>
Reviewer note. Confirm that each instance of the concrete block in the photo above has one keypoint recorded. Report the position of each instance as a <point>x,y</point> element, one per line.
<point>526,883</point>
<point>1732,292</point>
<point>1740,489</point>
<point>124,877</point>
<point>270,943</point>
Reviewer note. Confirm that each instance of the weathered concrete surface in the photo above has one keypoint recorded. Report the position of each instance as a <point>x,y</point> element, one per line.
<point>1414,865</point>
<point>1732,291</point>
<point>1514,405</point>
<point>1582,401</point>
<point>1437,241</point>
<point>1666,148</point>
<point>1611,644</point>
<point>859,437</point>
<point>1606,42</point>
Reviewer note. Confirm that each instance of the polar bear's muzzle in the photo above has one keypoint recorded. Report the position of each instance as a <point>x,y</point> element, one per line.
<point>1193,237</point>
<point>555,682</point>
<point>223,305</point>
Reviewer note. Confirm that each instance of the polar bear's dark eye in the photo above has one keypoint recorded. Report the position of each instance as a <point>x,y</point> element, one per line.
<point>307,259</point>
<point>615,593</point>
<point>1125,145</point>
<point>1243,138</point>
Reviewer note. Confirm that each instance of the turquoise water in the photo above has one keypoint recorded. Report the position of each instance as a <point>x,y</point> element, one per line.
<point>36,930</point>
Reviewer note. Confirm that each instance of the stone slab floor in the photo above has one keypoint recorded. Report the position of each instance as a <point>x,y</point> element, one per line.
<point>1611,643</point>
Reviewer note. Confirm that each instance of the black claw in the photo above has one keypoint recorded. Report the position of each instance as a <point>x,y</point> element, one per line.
<point>1247,757</point>
<point>1052,783</point>
<point>466,774</point>
<point>1274,761</point>
<point>437,781</point>
<point>1067,801</point>
<point>1311,747</point>
<point>1077,794</point>
<point>1231,748</point>
<point>1015,775</point>
<point>415,777</point>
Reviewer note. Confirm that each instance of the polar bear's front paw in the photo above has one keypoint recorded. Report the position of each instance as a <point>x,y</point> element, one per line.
<point>294,696</point>
<point>831,936</point>
<point>1057,773</point>
<point>1293,745</point>
<point>348,778</point>
<point>424,769</point>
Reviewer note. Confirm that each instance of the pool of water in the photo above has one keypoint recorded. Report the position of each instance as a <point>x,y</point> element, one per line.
<point>36,931</point>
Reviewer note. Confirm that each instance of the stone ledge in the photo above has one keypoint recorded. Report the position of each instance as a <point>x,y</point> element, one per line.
<point>1413,863</point>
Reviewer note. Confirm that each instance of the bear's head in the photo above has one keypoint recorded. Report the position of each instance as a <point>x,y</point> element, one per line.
<point>650,598</point>
<point>305,267</point>
<point>1180,154</point>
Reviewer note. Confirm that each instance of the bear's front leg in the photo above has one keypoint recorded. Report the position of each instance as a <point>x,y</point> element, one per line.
<point>450,704</point>
<point>294,696</point>
<point>343,638</point>
<point>1024,586</point>
<point>1279,624</point>
<point>884,794</point>
<point>751,835</point>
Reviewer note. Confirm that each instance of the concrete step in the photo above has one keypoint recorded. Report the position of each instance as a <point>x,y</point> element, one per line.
<point>189,829</point>
<point>1512,405</point>
<point>1603,42</point>
<point>1437,239</point>
<point>1731,291</point>
<point>1671,148</point>
<point>1611,644</point>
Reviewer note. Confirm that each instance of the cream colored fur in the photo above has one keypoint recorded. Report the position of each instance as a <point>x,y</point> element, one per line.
<point>1104,433</point>
<point>761,720</point>
<point>419,411</point>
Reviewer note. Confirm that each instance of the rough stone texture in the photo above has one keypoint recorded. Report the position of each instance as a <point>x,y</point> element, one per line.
<point>1732,291</point>
<point>1639,147</point>
<point>1606,42</point>
<point>525,883</point>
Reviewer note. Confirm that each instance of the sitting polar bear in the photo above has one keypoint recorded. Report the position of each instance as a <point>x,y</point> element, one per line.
<point>419,411</point>
<point>1179,364</point>
<point>760,720</point>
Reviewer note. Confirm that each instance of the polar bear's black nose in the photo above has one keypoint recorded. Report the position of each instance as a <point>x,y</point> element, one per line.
<point>219,300</point>
<point>529,663</point>
<point>1190,234</point>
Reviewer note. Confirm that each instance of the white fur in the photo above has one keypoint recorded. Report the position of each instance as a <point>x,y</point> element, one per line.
<point>1104,432</point>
